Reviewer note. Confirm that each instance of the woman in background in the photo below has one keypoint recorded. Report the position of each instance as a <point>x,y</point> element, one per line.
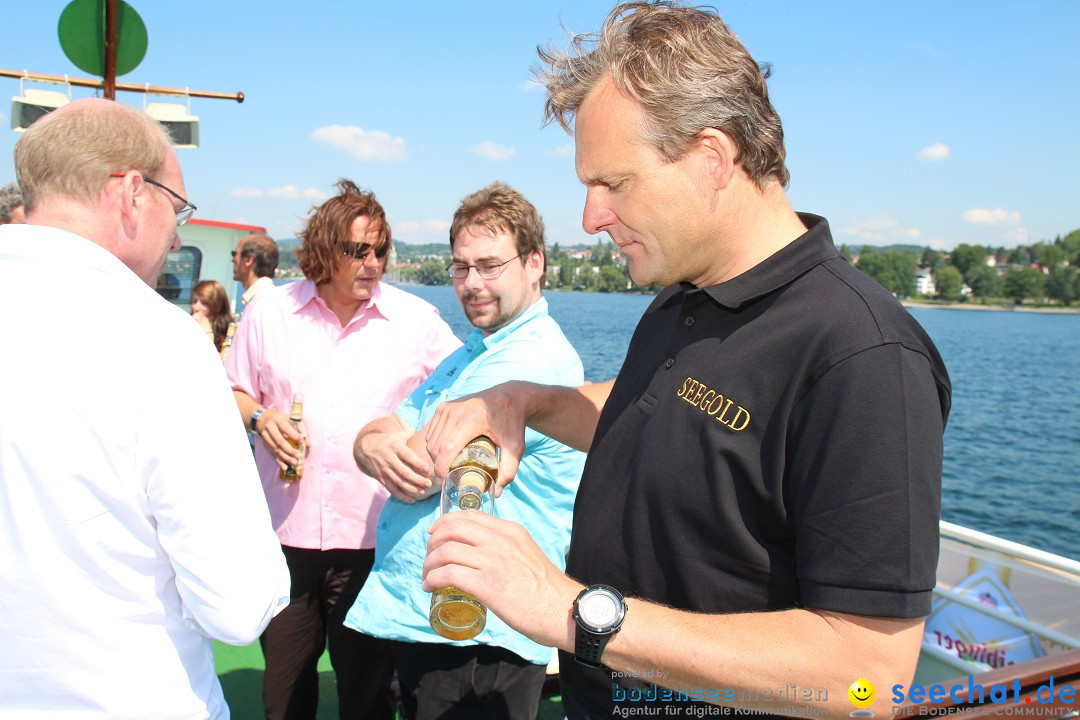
<point>210,308</point>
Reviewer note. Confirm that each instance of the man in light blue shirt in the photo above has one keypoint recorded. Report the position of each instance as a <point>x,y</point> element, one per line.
<point>497,239</point>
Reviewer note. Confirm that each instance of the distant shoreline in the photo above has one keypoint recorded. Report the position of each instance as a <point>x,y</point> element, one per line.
<point>993,308</point>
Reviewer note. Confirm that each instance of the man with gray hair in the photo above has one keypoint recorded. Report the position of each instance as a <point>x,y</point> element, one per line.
<point>126,541</point>
<point>759,508</point>
<point>11,205</point>
<point>255,261</point>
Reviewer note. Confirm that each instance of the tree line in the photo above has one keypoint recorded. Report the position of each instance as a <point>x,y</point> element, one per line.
<point>1042,273</point>
<point>1046,272</point>
<point>599,270</point>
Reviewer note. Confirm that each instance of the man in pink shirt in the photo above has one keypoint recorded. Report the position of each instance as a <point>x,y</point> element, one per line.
<point>354,347</point>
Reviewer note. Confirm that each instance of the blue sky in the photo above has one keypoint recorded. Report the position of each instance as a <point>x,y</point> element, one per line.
<point>931,123</point>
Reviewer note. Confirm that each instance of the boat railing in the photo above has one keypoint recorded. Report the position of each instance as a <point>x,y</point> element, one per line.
<point>1011,549</point>
<point>991,584</point>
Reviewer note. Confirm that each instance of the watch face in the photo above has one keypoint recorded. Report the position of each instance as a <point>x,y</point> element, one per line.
<point>600,609</point>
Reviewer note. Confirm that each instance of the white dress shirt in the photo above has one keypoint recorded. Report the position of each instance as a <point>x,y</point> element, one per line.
<point>133,527</point>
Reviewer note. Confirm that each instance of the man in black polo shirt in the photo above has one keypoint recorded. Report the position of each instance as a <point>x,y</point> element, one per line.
<point>763,479</point>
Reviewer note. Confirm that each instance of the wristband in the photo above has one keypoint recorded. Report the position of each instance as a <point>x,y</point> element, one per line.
<point>254,422</point>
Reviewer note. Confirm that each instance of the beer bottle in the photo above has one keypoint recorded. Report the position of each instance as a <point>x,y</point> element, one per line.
<point>456,614</point>
<point>227,342</point>
<point>292,473</point>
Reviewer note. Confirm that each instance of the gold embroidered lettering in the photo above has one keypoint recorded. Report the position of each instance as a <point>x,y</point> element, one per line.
<point>744,414</point>
<point>714,404</point>
<point>720,417</point>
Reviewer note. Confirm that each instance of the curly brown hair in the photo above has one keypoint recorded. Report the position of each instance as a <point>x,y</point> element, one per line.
<point>329,227</point>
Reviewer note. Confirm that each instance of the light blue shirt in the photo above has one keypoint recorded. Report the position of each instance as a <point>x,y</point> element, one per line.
<point>391,604</point>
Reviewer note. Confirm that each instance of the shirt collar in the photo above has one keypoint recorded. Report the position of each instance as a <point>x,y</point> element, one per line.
<point>256,286</point>
<point>307,293</point>
<point>538,309</point>
<point>810,249</point>
<point>57,245</point>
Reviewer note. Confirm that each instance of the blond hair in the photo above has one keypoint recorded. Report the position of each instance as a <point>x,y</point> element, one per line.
<point>72,151</point>
<point>686,70</point>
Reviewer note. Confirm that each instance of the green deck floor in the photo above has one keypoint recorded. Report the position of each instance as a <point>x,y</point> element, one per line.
<point>241,669</point>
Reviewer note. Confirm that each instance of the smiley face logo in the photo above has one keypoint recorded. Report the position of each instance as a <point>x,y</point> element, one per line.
<point>862,693</point>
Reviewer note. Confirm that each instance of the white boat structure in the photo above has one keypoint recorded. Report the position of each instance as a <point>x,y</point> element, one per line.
<point>1005,616</point>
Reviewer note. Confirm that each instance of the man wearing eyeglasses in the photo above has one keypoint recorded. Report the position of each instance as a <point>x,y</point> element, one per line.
<point>132,524</point>
<point>497,240</point>
<point>354,347</point>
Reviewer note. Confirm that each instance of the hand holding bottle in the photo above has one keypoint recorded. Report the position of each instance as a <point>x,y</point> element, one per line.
<point>282,437</point>
<point>456,614</point>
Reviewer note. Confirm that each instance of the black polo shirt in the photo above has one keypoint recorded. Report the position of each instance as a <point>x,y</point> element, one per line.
<point>771,442</point>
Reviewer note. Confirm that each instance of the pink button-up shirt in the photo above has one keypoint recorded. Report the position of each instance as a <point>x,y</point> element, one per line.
<point>289,341</point>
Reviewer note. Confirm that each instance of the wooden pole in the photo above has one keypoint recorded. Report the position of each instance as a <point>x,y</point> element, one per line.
<point>112,9</point>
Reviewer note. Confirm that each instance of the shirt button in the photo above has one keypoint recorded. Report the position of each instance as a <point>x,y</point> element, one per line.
<point>689,322</point>
<point>669,362</point>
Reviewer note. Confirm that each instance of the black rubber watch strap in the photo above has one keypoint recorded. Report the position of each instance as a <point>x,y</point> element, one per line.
<point>589,647</point>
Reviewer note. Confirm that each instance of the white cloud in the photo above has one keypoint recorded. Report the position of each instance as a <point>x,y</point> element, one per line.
<point>532,85</point>
<point>1017,235</point>
<point>934,153</point>
<point>246,192</point>
<point>996,217</point>
<point>420,228</point>
<point>881,229</point>
<point>561,151</point>
<point>315,194</point>
<point>492,151</point>
<point>365,145</point>
<point>285,192</point>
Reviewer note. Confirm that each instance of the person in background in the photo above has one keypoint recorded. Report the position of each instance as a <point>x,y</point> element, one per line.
<point>11,205</point>
<point>760,504</point>
<point>354,347</point>
<point>132,527</point>
<point>210,308</point>
<point>497,242</point>
<point>255,261</point>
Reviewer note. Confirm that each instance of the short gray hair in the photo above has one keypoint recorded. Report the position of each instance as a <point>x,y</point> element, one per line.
<point>686,70</point>
<point>72,151</point>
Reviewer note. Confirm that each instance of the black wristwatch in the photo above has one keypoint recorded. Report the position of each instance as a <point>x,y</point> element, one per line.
<point>599,611</point>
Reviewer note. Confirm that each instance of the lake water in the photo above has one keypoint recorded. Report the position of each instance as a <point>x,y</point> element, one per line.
<point>1012,445</point>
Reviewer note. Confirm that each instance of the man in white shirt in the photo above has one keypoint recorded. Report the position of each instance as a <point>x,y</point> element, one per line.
<point>255,261</point>
<point>132,523</point>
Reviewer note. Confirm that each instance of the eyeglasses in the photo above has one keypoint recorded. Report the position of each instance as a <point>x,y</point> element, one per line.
<point>360,251</point>
<point>186,210</point>
<point>488,269</point>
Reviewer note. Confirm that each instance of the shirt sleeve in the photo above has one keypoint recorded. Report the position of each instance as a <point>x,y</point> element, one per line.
<point>864,485</point>
<point>243,361</point>
<point>207,501</point>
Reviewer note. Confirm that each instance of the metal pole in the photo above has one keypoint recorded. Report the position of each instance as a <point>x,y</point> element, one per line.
<point>112,9</point>
<point>126,87</point>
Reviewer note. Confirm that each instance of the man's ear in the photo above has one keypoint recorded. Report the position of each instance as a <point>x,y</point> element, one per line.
<point>534,265</point>
<point>718,152</point>
<point>131,195</point>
